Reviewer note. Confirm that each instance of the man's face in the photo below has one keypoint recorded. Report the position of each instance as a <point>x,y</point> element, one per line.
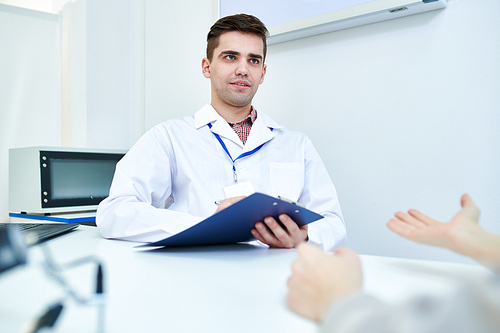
<point>236,69</point>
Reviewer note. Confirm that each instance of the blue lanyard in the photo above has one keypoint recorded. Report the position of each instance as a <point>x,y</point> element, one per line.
<point>248,153</point>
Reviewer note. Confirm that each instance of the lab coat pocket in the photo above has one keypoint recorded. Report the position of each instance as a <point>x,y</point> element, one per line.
<point>287,179</point>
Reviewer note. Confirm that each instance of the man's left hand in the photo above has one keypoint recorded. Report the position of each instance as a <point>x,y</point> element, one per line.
<point>275,235</point>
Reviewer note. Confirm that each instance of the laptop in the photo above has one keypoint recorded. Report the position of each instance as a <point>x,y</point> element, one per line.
<point>40,232</point>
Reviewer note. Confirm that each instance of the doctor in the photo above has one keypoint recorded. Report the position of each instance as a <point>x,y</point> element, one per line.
<point>172,177</point>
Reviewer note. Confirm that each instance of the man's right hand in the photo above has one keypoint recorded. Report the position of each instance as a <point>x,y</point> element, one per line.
<point>228,202</point>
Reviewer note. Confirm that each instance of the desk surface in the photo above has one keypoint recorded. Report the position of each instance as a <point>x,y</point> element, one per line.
<point>233,288</point>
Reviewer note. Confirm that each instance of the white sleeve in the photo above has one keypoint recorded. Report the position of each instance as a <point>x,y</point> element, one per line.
<point>142,184</point>
<point>319,195</point>
<point>470,308</point>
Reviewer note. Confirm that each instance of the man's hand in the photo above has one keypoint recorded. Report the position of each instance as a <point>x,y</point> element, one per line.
<point>275,235</point>
<point>228,202</point>
<point>320,278</point>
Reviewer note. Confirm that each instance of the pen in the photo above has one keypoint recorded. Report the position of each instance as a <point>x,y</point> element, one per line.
<point>290,201</point>
<point>99,288</point>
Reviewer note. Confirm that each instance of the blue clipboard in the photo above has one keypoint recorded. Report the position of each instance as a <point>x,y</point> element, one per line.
<point>233,224</point>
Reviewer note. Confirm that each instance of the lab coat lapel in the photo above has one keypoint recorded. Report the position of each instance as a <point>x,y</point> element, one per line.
<point>259,134</point>
<point>222,128</point>
<point>219,126</point>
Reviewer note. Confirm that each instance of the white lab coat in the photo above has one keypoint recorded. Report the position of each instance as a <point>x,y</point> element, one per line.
<point>180,164</point>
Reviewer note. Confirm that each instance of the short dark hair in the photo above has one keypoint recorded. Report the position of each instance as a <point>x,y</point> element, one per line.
<point>239,22</point>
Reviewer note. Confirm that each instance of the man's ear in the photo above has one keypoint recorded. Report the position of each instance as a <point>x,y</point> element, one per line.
<point>264,70</point>
<point>205,67</point>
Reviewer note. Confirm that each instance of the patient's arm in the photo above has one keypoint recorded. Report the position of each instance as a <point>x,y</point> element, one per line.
<point>462,234</point>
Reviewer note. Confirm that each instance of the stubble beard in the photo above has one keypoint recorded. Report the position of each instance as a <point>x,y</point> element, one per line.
<point>236,99</point>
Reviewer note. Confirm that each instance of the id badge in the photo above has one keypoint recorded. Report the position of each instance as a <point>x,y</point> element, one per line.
<point>240,189</point>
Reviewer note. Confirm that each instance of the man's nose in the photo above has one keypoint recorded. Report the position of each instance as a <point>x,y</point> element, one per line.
<point>242,68</point>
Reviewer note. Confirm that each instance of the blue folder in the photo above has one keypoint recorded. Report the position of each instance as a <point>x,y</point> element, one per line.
<point>233,224</point>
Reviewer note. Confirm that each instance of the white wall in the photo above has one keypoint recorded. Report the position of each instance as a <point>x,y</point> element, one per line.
<point>74,75</point>
<point>30,85</point>
<point>175,43</point>
<point>97,74</point>
<point>117,82</point>
<point>39,5</point>
<point>108,73</point>
<point>92,108</point>
<point>49,6</point>
<point>403,112</point>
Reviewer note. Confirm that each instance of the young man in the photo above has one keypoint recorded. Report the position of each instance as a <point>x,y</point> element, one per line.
<point>226,150</point>
<point>327,288</point>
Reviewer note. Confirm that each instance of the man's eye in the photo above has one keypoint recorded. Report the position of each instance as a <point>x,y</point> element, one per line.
<point>255,61</point>
<point>230,57</point>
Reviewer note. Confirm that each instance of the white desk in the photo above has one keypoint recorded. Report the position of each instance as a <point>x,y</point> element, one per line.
<point>233,288</point>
